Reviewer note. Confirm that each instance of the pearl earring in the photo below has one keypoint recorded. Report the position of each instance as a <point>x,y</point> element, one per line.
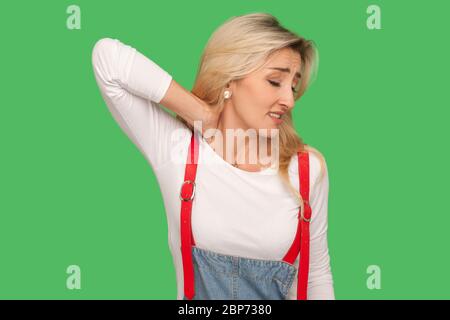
<point>227,94</point>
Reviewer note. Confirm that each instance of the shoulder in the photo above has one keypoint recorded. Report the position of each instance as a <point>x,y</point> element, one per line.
<point>317,165</point>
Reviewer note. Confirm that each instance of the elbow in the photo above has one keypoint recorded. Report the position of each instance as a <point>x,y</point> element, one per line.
<point>103,64</point>
<point>101,49</point>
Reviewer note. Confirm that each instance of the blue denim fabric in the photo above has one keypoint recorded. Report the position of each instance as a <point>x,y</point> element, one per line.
<point>225,277</point>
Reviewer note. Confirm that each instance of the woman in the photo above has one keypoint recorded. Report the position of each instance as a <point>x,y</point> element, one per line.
<point>242,220</point>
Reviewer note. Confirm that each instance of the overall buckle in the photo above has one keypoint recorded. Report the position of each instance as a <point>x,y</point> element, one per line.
<point>189,198</point>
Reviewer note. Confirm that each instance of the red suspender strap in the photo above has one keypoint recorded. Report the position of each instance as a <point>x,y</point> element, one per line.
<point>187,193</point>
<point>302,287</point>
<point>301,241</point>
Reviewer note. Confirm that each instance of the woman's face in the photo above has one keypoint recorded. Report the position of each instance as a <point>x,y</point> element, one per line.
<point>269,89</point>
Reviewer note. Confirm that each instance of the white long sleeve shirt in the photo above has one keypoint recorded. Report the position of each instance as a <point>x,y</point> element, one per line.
<point>235,212</point>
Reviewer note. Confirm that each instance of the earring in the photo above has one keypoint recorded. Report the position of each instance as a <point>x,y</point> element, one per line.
<point>227,94</point>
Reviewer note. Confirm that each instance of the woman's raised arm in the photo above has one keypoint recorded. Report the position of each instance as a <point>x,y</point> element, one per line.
<point>132,86</point>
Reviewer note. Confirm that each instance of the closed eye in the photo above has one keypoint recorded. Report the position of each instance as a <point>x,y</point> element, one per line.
<point>277,84</point>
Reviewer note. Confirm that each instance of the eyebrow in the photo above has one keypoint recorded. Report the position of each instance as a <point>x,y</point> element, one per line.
<point>297,74</point>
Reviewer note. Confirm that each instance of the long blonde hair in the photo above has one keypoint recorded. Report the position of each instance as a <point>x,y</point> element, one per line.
<point>242,45</point>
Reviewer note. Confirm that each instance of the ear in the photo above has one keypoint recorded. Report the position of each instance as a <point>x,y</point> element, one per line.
<point>231,85</point>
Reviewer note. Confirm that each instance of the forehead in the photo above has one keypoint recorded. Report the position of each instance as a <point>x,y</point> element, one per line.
<point>284,58</point>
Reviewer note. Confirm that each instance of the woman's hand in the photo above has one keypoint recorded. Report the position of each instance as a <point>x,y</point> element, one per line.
<point>210,118</point>
<point>191,108</point>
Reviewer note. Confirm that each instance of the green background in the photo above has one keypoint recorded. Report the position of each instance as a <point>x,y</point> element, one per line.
<point>75,190</point>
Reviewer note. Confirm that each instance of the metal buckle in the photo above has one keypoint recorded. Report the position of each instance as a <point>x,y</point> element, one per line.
<point>193,190</point>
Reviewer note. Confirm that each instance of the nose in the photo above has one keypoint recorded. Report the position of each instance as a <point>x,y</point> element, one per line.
<point>287,101</point>
<point>285,108</point>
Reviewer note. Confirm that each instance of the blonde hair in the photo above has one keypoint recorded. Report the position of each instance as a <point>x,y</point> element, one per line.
<point>242,45</point>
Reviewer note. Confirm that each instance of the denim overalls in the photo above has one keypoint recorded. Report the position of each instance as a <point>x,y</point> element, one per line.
<point>211,275</point>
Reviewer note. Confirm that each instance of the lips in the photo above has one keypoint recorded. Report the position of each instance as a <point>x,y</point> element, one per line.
<point>276,117</point>
<point>276,114</point>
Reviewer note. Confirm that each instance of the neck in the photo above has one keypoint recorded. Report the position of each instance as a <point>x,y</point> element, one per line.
<point>237,145</point>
